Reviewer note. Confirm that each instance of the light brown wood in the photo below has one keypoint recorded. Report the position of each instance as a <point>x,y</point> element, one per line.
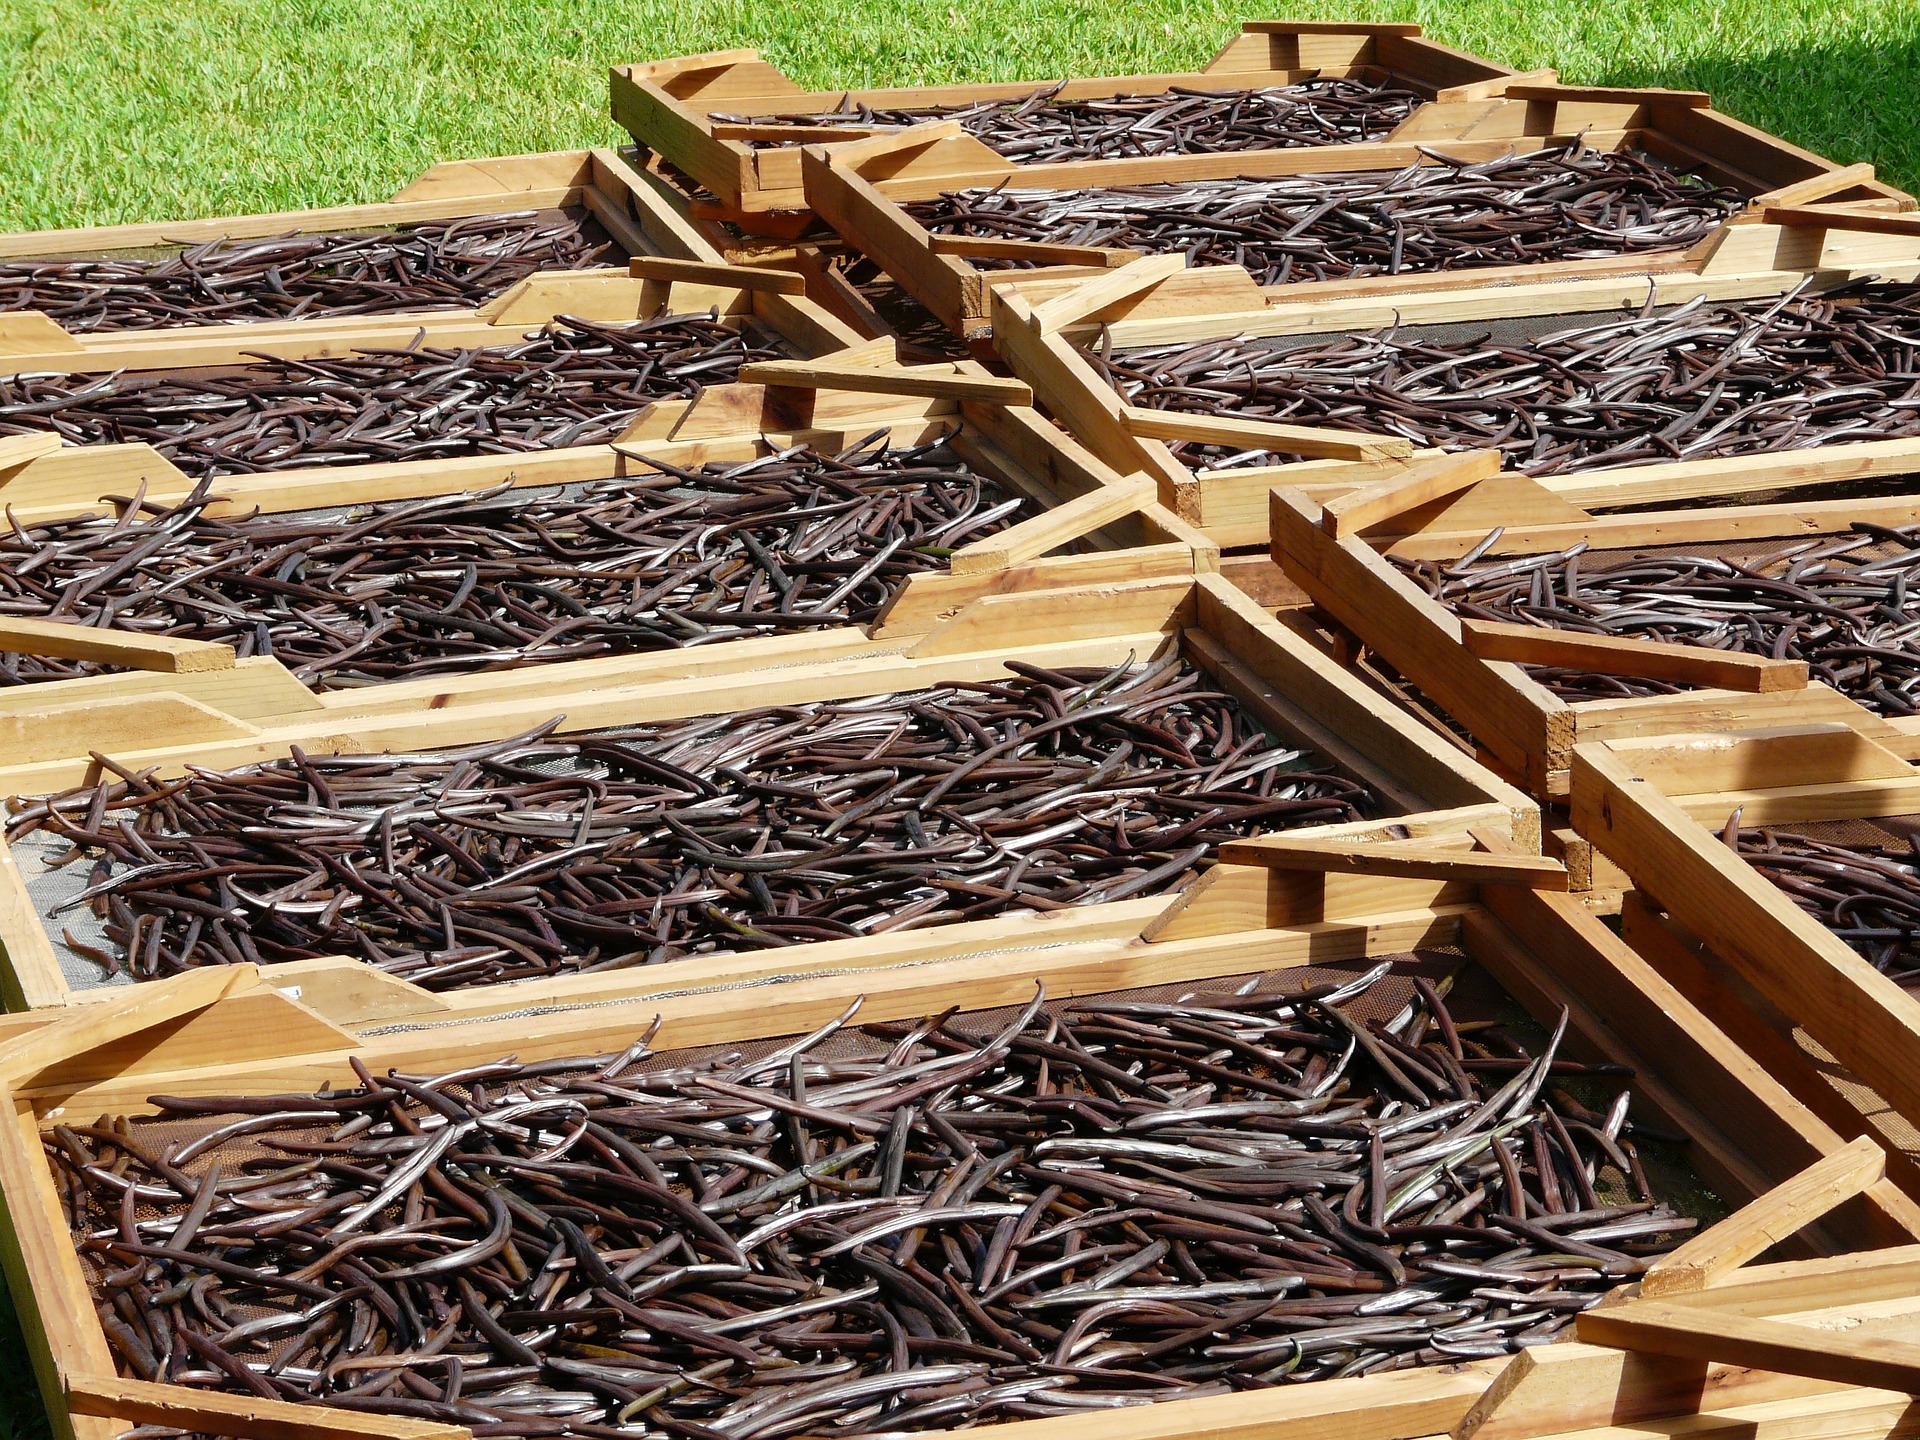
<point>1421,483</point>
<point>147,1402</point>
<point>1610,95</point>
<point>166,653</point>
<point>23,449</point>
<point>1096,294</point>
<point>1623,655</point>
<point>140,1008</point>
<point>1065,522</point>
<point>1815,187</point>
<point>744,277</point>
<point>1759,1226</point>
<point>1833,218</point>
<point>1446,858</point>
<point>937,381</point>
<point>1314,441</point>
<point>994,247</point>
<point>1694,1334</point>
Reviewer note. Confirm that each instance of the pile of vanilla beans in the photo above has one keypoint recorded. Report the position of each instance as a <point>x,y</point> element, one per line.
<point>1839,602</point>
<point>413,589</point>
<point>432,265</point>
<point>1047,127</point>
<point>908,1226</point>
<point>1565,203</point>
<point>1868,896</point>
<point>1744,377</point>
<point>543,854</point>
<point>575,382</point>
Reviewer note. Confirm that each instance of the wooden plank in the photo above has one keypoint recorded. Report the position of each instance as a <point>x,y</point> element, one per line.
<point>1034,537</point>
<point>1518,719</point>
<point>1815,187</point>
<point>743,277</point>
<point>935,381</point>
<point>60,727</point>
<point>1314,441</point>
<point>1130,606</point>
<point>144,1007</point>
<point>649,201</point>
<point>1685,764</point>
<point>1764,1223</point>
<point>1045,252</point>
<point>1831,218</point>
<point>1091,296</point>
<point>24,449</point>
<point>69,641</point>
<point>1329,27</point>
<point>1611,95</point>
<point>31,333</point>
<point>1624,655</point>
<point>1694,1334</point>
<point>1862,1018</point>
<point>31,976</point>
<point>1438,859</point>
<point>1493,87</point>
<point>1422,483</point>
<point>147,1402</point>
<point>930,597</point>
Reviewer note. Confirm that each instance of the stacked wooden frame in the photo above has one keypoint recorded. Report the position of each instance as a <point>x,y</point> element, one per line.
<point>1681,1348</point>
<point>630,205</point>
<point>668,106</point>
<point>941,628</point>
<point>1802,1000</point>
<point>861,190</point>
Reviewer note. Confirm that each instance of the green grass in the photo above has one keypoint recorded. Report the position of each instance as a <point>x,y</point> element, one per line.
<point>127,110</point>
<point>123,110</point>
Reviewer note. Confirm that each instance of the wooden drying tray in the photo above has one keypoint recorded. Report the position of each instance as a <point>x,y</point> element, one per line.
<point>200,691</point>
<point>861,189</point>
<point>960,628</point>
<point>242,1031</point>
<point>668,105</point>
<point>629,204</point>
<point>1655,807</point>
<point>1039,331</point>
<point>1472,671</point>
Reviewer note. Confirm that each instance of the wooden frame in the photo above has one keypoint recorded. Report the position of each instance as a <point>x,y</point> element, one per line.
<point>1473,672</point>
<point>1655,807</point>
<point>1039,328</point>
<point>667,105</point>
<point>228,1032</point>
<point>203,691</point>
<point>860,188</point>
<point>1097,609</point>
<point>631,205</point>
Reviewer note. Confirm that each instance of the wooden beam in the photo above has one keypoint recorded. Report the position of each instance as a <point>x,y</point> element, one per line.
<point>1329,27</point>
<point>1053,528</point>
<point>139,1008</point>
<point>1435,858</point>
<point>1101,291</point>
<point>1697,1334</point>
<point>700,272</point>
<point>1492,87</point>
<point>1316,442</point>
<point>1814,188</point>
<point>147,1402</point>
<point>933,381</point>
<point>1420,484</point>
<point>1825,218</point>
<point>1045,252</point>
<point>1623,655</point>
<point>1610,95</point>
<point>64,641</point>
<point>1758,1227</point>
<point>19,449</point>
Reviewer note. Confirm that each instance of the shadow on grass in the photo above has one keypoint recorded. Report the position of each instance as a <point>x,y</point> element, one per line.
<point>1849,102</point>
<point>21,1416</point>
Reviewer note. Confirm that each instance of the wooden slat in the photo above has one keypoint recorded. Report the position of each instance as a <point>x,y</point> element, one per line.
<point>22,449</point>
<point>1764,1223</point>
<point>1623,655</point>
<point>1610,95</point>
<point>1034,537</point>
<point>1421,483</point>
<point>1823,218</point>
<point>144,1007</point>
<point>1863,1019</point>
<point>146,1402</point>
<point>1046,252</point>
<point>1094,295</point>
<point>1684,1331</point>
<point>1446,858</point>
<point>1314,441</point>
<point>934,381</point>
<point>744,277</point>
<point>1815,187</point>
<point>166,653</point>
